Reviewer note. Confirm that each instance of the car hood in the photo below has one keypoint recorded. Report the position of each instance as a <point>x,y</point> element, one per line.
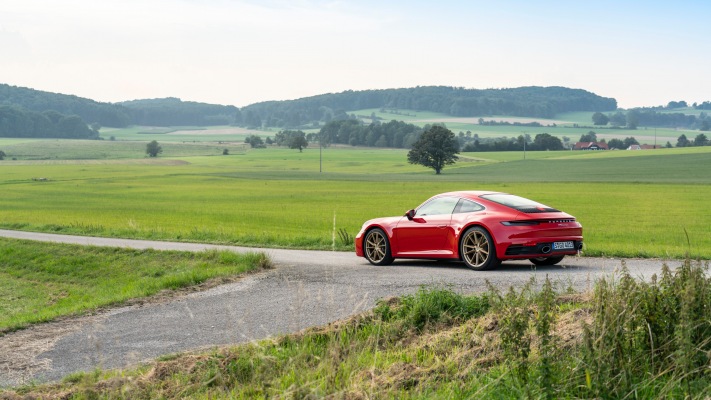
<point>385,221</point>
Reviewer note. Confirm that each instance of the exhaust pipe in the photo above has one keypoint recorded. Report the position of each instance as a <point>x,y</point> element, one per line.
<point>580,246</point>
<point>546,249</point>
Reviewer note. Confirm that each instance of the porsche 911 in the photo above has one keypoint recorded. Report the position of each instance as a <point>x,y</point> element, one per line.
<point>480,228</point>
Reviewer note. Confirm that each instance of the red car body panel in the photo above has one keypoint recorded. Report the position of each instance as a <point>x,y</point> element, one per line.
<point>516,234</point>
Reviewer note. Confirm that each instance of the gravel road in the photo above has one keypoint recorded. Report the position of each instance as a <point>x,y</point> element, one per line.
<point>306,288</point>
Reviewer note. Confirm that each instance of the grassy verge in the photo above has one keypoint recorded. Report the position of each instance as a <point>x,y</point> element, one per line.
<point>626,339</point>
<point>44,281</point>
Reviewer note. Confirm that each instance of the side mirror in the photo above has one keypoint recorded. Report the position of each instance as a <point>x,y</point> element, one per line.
<point>410,214</point>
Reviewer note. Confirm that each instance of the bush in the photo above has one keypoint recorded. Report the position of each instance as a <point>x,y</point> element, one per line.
<point>432,306</point>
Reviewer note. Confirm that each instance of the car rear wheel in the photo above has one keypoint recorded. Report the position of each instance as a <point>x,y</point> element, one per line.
<point>376,247</point>
<point>477,249</point>
<point>547,260</point>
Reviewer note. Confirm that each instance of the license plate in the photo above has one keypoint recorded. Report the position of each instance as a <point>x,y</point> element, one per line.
<point>563,245</point>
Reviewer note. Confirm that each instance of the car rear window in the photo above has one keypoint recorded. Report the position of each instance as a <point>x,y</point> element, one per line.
<point>519,203</point>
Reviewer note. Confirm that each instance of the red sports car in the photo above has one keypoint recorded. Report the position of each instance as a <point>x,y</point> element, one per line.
<point>477,227</point>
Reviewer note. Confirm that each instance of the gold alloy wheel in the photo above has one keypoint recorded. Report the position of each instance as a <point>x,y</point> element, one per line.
<point>475,248</point>
<point>376,246</point>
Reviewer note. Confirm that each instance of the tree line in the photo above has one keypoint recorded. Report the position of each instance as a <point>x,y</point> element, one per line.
<point>154,112</point>
<point>542,102</point>
<point>172,111</point>
<point>104,114</point>
<point>19,122</point>
<point>636,117</point>
<point>318,111</point>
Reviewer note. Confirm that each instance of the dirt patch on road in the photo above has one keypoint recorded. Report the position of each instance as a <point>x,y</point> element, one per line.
<point>19,350</point>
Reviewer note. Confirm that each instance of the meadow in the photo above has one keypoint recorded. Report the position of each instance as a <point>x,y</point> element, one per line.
<point>631,204</point>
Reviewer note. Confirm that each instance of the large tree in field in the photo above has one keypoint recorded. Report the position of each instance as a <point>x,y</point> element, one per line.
<point>153,149</point>
<point>298,141</point>
<point>435,148</point>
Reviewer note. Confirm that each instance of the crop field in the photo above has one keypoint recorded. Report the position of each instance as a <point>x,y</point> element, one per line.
<point>55,149</point>
<point>184,134</point>
<point>630,203</point>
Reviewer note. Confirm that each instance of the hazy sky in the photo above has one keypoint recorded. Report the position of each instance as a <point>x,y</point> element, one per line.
<point>238,52</point>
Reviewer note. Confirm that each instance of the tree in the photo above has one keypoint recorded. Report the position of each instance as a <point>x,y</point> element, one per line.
<point>298,141</point>
<point>255,142</point>
<point>2,155</point>
<point>545,141</point>
<point>618,119</point>
<point>435,148</point>
<point>682,141</point>
<point>616,144</point>
<point>632,119</point>
<point>153,149</point>
<point>701,140</point>
<point>629,141</point>
<point>588,137</point>
<point>600,119</point>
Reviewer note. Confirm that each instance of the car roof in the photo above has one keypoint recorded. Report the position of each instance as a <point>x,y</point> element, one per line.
<point>470,194</point>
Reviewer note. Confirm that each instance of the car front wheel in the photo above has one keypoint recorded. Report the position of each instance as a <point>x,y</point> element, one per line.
<point>547,260</point>
<point>477,249</point>
<point>376,247</point>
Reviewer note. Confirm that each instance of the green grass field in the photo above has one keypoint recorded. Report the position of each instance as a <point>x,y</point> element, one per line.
<point>630,203</point>
<point>43,281</point>
<point>184,134</point>
<point>54,149</point>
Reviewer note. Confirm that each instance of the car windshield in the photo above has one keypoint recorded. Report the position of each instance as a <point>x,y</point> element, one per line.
<point>518,203</point>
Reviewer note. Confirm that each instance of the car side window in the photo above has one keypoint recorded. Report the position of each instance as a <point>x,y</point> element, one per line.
<point>467,206</point>
<point>438,206</point>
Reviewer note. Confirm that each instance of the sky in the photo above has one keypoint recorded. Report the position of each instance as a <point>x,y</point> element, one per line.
<point>239,52</point>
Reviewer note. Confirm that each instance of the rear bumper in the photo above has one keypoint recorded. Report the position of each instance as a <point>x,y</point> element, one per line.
<point>540,250</point>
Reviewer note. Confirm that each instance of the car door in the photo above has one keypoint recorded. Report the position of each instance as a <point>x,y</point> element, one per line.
<point>428,230</point>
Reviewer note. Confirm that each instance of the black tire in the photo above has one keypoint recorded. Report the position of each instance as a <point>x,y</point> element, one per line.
<point>542,261</point>
<point>477,249</point>
<point>376,247</point>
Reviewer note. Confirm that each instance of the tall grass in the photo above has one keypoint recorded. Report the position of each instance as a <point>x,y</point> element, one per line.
<point>627,339</point>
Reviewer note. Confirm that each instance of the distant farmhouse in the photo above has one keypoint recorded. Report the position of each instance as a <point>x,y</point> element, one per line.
<point>644,147</point>
<point>603,146</point>
<point>590,146</point>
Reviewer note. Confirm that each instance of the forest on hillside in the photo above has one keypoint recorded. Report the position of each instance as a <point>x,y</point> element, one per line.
<point>27,112</point>
<point>22,111</point>
<point>541,102</point>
